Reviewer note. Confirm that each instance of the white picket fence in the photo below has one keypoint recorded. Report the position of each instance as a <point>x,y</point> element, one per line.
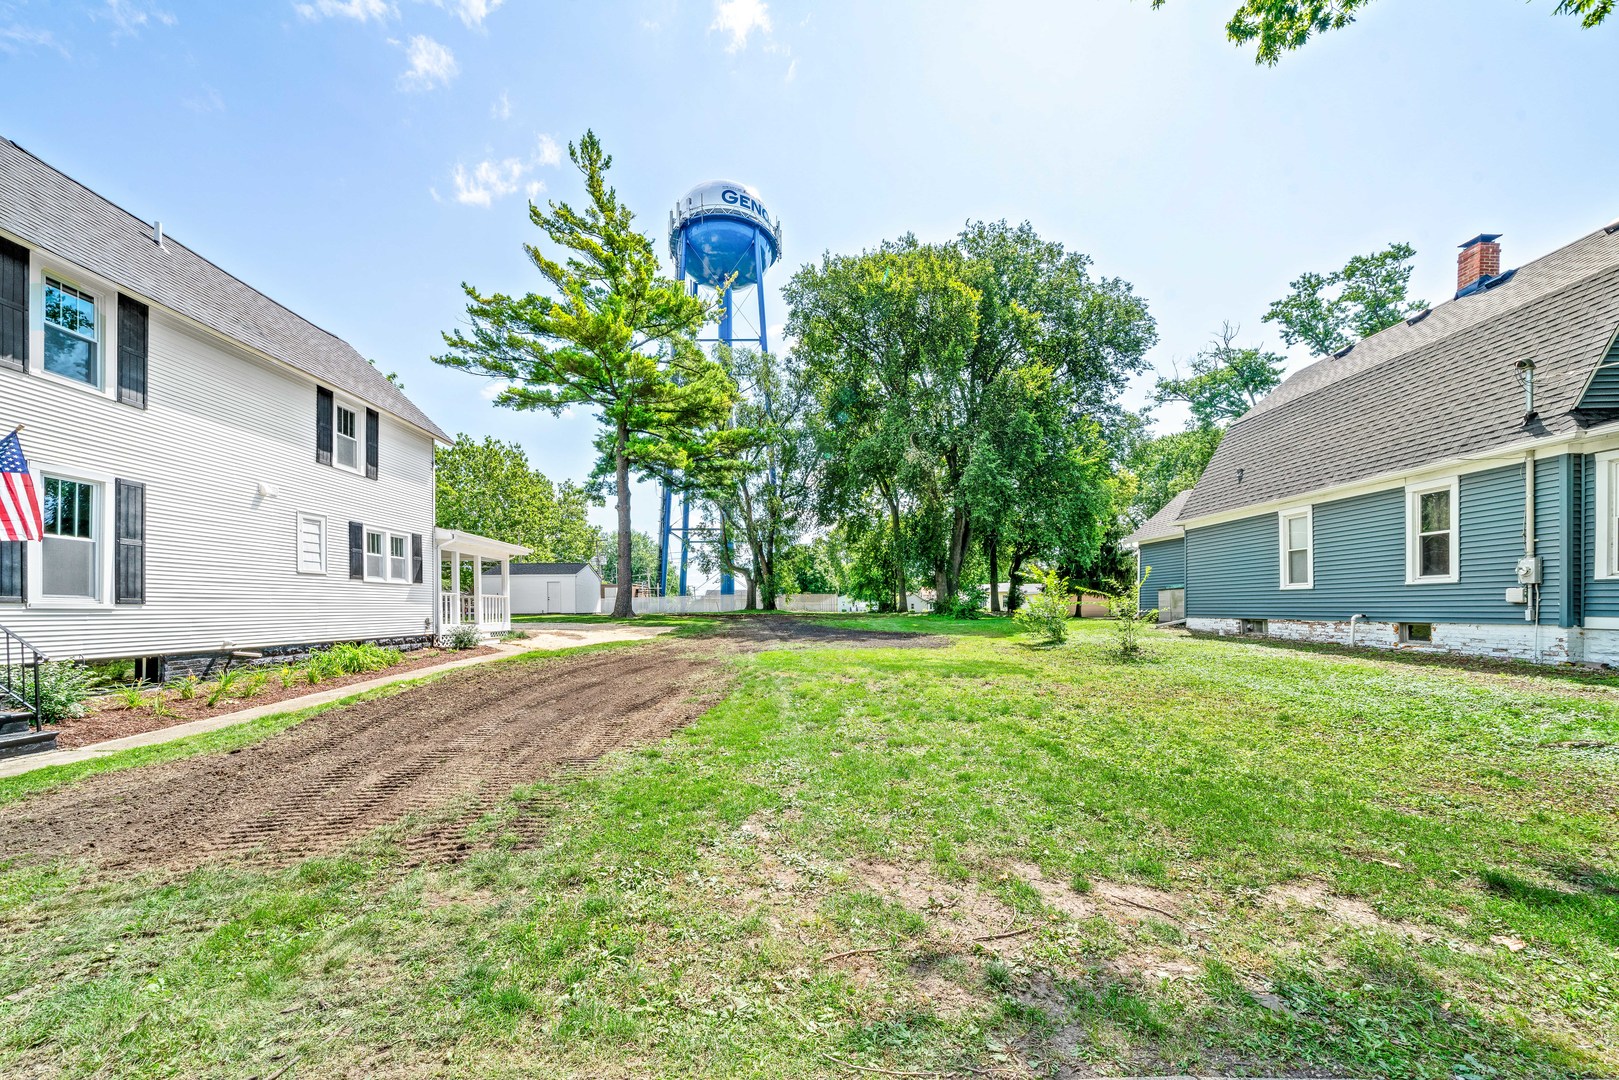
<point>710,603</point>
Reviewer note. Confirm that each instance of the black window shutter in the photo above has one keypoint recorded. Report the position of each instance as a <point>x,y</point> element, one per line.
<point>13,305</point>
<point>416,558</point>
<point>129,558</point>
<point>373,433</point>
<point>356,550</point>
<point>133,322</point>
<point>323,426</point>
<point>13,571</point>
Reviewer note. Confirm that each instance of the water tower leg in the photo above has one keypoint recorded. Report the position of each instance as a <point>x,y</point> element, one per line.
<point>685,536</point>
<point>759,290</point>
<point>663,541</point>
<point>725,317</point>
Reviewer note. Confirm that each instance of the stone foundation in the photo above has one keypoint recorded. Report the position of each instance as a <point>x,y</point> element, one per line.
<point>206,665</point>
<point>1505,641</point>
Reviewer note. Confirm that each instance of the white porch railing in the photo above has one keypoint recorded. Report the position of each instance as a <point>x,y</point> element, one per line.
<point>489,612</point>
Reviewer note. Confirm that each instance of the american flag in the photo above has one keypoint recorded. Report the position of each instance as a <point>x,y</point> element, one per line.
<point>20,514</point>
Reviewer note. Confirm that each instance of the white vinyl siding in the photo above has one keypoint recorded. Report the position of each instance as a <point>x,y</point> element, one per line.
<point>222,559</point>
<point>1432,533</point>
<point>1297,546</point>
<point>311,544</point>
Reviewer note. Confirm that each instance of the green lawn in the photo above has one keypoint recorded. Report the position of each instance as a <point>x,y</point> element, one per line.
<point>1229,855</point>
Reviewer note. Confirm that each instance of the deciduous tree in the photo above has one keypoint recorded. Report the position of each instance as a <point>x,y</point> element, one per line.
<point>1325,312</point>
<point>489,488</point>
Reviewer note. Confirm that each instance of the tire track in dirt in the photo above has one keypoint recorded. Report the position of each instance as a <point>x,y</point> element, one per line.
<point>446,752</point>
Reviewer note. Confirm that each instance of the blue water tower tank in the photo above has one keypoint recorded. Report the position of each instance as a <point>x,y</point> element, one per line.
<point>721,230</point>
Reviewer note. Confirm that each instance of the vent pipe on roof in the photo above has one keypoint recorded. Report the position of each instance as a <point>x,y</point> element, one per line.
<point>157,233</point>
<point>1526,376</point>
<point>1479,261</point>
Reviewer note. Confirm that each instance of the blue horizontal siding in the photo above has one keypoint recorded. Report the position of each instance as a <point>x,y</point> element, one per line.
<point>1603,393</point>
<point>1167,560</point>
<point>1233,571</point>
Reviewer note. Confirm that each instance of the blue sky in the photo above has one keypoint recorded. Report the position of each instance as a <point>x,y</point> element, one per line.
<point>358,159</point>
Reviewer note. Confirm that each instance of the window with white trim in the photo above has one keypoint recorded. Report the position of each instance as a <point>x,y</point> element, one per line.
<point>72,348</point>
<point>70,562</point>
<point>346,437</point>
<point>1606,482</point>
<point>1297,547</point>
<point>375,564</point>
<point>398,557</point>
<point>311,544</point>
<point>1432,548</point>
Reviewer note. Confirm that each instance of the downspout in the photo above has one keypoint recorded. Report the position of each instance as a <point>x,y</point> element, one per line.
<point>1531,611</point>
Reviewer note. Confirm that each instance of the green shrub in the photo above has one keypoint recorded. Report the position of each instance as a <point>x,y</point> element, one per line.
<point>288,675</point>
<point>351,658</point>
<point>1129,621</point>
<point>64,687</point>
<point>1045,614</point>
<point>223,687</point>
<point>187,688</point>
<point>255,682</point>
<point>464,636</point>
<point>968,603</point>
<point>132,697</point>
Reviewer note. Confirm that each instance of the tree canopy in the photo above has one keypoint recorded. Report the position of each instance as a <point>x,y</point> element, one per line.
<point>1226,380</point>
<point>490,489</point>
<point>1275,27</point>
<point>612,334</point>
<point>1325,312</point>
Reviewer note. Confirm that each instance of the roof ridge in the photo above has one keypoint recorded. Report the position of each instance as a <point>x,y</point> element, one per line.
<point>1436,339</point>
<point>193,252</point>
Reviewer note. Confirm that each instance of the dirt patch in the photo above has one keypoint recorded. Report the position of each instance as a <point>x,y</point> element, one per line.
<point>962,911</point>
<point>110,718</point>
<point>776,631</point>
<point>1317,896</point>
<point>1117,902</point>
<point>447,751</point>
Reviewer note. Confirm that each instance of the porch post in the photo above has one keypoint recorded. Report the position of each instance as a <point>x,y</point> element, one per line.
<point>506,589</point>
<point>455,584</point>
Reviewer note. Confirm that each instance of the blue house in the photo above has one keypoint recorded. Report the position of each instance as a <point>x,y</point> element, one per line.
<point>1451,482</point>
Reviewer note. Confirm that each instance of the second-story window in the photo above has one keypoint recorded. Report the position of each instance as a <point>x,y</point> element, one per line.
<point>70,334</point>
<point>346,443</point>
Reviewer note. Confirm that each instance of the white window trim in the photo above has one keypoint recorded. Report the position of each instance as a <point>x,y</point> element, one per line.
<point>298,538</point>
<point>1282,517</point>
<point>340,402</point>
<point>104,483</point>
<point>105,295</point>
<point>1413,522</point>
<point>1607,537</point>
<point>388,537</point>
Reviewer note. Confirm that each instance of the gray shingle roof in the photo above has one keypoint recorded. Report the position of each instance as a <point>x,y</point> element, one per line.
<point>547,567</point>
<point>1161,525</point>
<point>67,219</point>
<point>1444,387</point>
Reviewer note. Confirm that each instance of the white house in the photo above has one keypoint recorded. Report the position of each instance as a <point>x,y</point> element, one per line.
<point>550,588</point>
<point>218,475</point>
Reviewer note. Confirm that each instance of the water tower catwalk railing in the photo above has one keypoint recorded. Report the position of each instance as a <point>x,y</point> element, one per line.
<point>722,239</point>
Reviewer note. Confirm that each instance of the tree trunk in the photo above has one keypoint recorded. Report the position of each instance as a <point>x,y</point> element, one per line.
<point>960,536</point>
<point>991,550</point>
<point>1014,580</point>
<point>623,602</point>
<point>899,558</point>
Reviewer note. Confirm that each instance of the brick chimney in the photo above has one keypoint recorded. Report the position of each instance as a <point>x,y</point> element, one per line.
<point>1479,261</point>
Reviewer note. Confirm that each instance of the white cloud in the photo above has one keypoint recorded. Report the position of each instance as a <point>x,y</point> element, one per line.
<point>207,100</point>
<point>502,108</point>
<point>431,64</point>
<point>740,18</point>
<point>493,389</point>
<point>488,181</point>
<point>127,17</point>
<point>472,13</point>
<point>493,179</point>
<point>358,10</point>
<point>792,71</point>
<point>16,35</point>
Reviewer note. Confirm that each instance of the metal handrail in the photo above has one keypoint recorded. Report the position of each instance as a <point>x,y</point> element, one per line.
<point>22,661</point>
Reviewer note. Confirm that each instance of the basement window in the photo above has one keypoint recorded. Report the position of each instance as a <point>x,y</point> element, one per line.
<point>1417,632</point>
<point>1261,627</point>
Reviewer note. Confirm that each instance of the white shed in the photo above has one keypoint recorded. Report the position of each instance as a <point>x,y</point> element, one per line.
<point>551,588</point>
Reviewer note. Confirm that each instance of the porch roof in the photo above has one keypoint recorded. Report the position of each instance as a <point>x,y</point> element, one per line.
<point>472,544</point>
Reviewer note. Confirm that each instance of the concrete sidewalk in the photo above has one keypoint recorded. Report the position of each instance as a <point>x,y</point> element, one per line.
<point>562,637</point>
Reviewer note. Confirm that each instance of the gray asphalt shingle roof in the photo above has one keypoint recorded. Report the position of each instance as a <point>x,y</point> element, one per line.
<point>52,211</point>
<point>547,567</point>
<point>1444,387</point>
<point>1163,524</point>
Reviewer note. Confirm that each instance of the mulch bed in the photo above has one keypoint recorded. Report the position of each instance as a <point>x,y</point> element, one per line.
<point>110,718</point>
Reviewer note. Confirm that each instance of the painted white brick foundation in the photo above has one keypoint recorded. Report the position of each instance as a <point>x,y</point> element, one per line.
<point>1507,641</point>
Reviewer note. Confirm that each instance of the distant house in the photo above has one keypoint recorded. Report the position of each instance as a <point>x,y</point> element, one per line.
<point>217,474</point>
<point>1451,482</point>
<point>551,588</point>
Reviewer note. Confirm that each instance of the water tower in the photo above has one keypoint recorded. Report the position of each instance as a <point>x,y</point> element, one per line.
<point>723,240</point>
